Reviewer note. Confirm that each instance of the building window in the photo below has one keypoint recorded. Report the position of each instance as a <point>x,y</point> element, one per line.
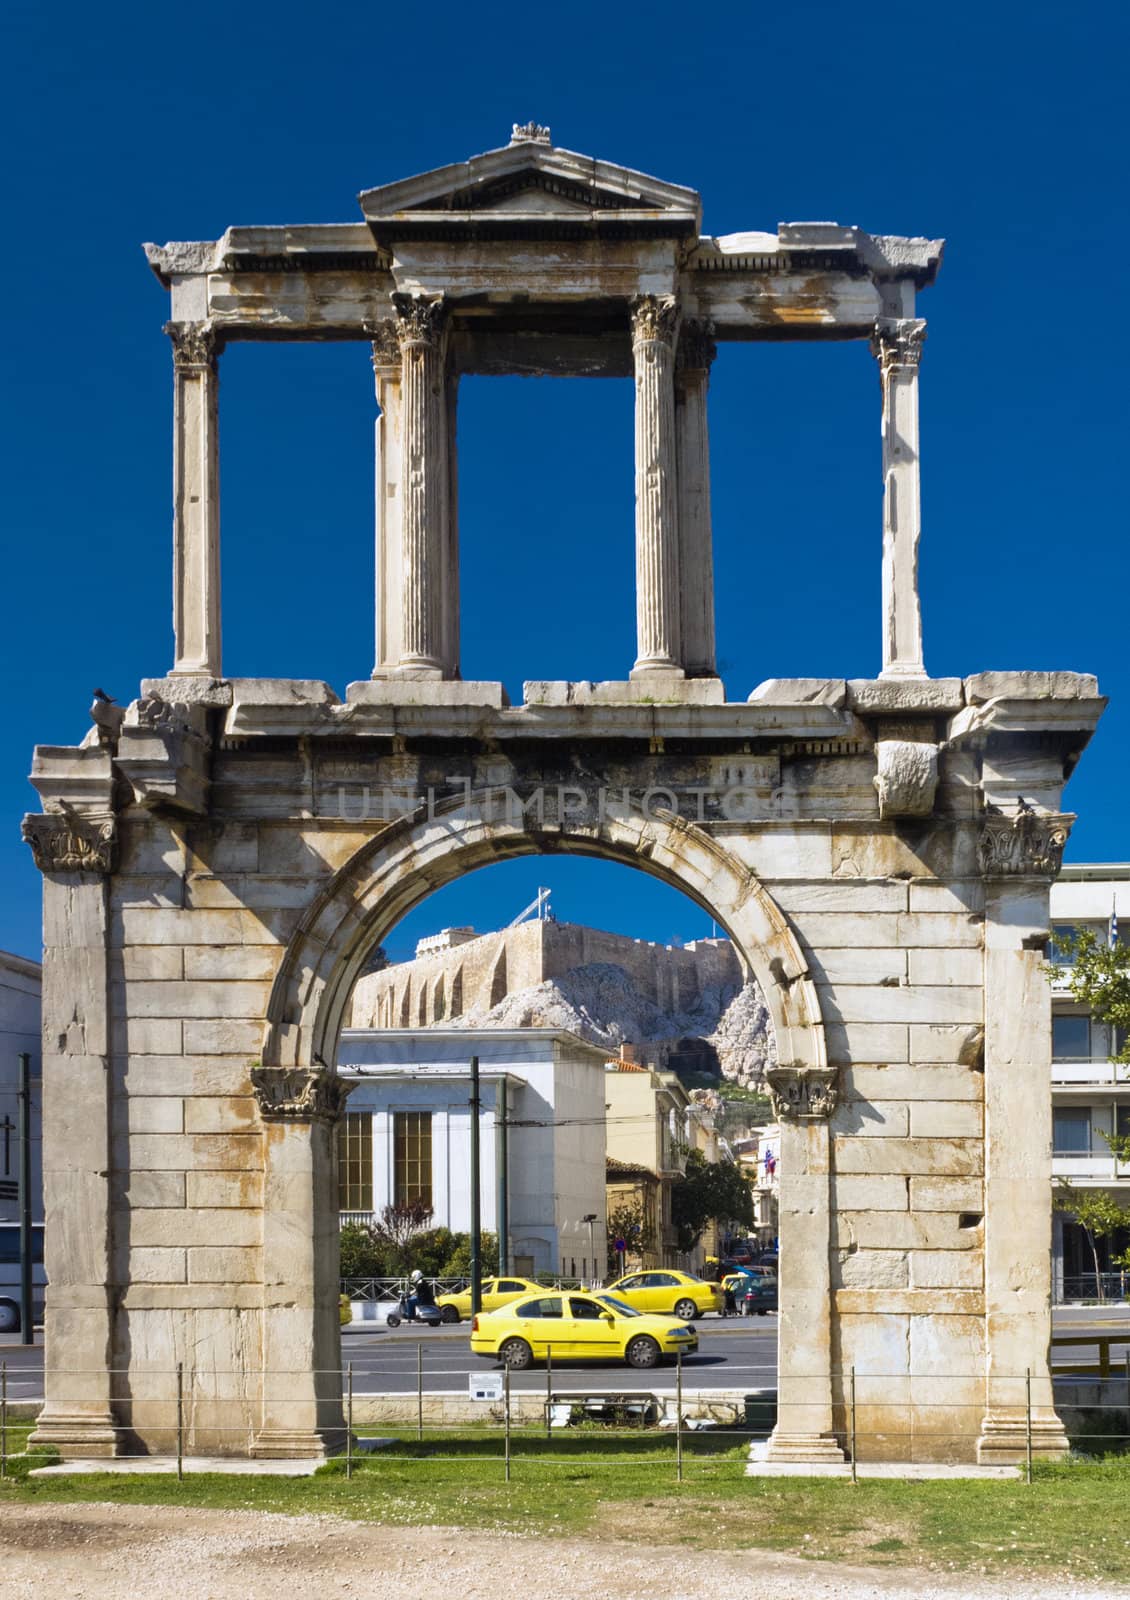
<point>412,1158</point>
<point>1071,1135</point>
<point>1122,1121</point>
<point>1071,1038</point>
<point>355,1162</point>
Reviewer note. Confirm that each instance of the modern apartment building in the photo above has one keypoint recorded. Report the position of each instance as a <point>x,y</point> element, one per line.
<point>1090,1095</point>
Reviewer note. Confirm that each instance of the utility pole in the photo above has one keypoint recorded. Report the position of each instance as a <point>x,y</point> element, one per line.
<point>476,1262</point>
<point>503,1120</point>
<point>27,1331</point>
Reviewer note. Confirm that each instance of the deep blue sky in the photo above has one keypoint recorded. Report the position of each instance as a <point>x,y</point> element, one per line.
<point>1000,127</point>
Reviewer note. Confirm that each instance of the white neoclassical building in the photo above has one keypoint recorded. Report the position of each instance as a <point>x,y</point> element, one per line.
<point>406,1137</point>
<point>1090,1092</point>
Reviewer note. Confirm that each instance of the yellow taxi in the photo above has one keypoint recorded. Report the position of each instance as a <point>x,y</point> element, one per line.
<point>496,1292</point>
<point>568,1325</point>
<point>676,1293</point>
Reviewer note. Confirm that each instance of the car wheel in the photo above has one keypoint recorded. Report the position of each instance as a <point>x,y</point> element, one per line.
<point>9,1316</point>
<point>642,1352</point>
<point>516,1354</point>
<point>686,1309</point>
<point>449,1314</point>
<point>763,1313</point>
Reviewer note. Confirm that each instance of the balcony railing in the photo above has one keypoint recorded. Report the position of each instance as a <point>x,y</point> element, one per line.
<point>1097,1070</point>
<point>1097,1166</point>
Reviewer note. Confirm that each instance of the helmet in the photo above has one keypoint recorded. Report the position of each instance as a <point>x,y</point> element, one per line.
<point>417,1275</point>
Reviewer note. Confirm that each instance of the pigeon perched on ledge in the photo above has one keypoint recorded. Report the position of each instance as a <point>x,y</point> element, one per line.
<point>107,716</point>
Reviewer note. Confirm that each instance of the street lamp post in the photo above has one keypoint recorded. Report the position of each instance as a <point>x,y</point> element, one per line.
<point>592,1217</point>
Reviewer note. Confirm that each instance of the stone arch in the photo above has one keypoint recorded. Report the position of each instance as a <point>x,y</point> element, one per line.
<point>408,859</point>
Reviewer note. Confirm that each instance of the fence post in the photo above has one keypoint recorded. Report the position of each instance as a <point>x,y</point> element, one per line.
<point>419,1391</point>
<point>854,1467</point>
<point>180,1419</point>
<point>549,1388</point>
<point>349,1420</point>
<point>1028,1424</point>
<point>679,1415</point>
<point>4,1418</point>
<point>506,1392</point>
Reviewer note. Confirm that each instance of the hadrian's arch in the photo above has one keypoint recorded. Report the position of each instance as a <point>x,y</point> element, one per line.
<point>219,855</point>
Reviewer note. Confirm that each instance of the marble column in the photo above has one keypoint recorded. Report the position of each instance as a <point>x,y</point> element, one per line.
<point>897,345</point>
<point>655,321</point>
<point>1019,857</point>
<point>301,1395</point>
<point>75,853</point>
<point>694,356</point>
<point>421,328</point>
<point>388,495</point>
<point>803,1102</point>
<point>196,500</point>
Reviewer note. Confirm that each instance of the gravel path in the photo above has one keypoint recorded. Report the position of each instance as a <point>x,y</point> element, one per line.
<point>103,1552</point>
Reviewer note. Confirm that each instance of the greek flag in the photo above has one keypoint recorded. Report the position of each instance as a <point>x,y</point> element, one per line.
<point>1113,923</point>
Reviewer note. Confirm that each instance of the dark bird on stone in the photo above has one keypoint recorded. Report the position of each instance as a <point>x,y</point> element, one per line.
<point>100,694</point>
<point>1023,809</point>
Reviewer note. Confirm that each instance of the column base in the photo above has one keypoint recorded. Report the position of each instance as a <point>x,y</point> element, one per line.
<point>1004,1439</point>
<point>298,1444</point>
<point>77,1434</point>
<point>420,671</point>
<point>905,669</point>
<point>813,1448</point>
<point>657,669</point>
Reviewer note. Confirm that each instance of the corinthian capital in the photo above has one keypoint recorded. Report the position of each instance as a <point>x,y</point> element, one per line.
<point>386,346</point>
<point>802,1092</point>
<point>71,841</point>
<point>195,345</point>
<point>655,316</point>
<point>696,344</point>
<point>897,342</point>
<point>299,1094</point>
<point>420,320</point>
<point>1025,845</point>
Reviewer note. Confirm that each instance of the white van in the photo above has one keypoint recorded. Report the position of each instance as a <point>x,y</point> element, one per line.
<point>10,1275</point>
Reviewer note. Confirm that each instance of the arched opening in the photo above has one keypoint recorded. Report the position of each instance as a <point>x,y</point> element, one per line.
<point>397,869</point>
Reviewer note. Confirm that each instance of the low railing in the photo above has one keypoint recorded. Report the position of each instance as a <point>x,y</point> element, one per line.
<point>1087,1288</point>
<point>1098,1071</point>
<point>378,1290</point>
<point>413,1389</point>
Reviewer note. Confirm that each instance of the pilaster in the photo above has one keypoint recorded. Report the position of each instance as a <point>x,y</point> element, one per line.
<point>1019,857</point>
<point>897,345</point>
<point>803,1101</point>
<point>388,461</point>
<point>302,1412</point>
<point>695,354</point>
<point>421,329</point>
<point>655,320</point>
<point>196,500</point>
<point>74,844</point>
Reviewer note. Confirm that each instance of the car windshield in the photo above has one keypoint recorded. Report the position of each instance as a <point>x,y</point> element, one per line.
<point>621,1308</point>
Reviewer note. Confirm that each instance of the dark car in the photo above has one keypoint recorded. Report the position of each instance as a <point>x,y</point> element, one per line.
<point>760,1297</point>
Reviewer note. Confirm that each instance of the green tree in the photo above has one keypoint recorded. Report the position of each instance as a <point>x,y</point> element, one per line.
<point>1099,978</point>
<point>1099,1214</point>
<point>709,1191</point>
<point>630,1223</point>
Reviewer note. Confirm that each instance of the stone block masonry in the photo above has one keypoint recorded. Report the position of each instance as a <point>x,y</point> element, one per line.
<point>220,862</point>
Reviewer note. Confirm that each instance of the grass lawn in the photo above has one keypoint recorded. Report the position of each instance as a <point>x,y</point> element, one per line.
<point>1071,1521</point>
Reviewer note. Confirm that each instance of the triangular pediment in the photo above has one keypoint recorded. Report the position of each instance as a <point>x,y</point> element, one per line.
<point>532,180</point>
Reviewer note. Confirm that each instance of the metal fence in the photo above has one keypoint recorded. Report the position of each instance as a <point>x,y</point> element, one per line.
<point>409,1402</point>
<point>378,1290</point>
<point>1090,1288</point>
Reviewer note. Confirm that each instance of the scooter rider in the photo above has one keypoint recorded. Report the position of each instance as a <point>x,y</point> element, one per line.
<point>422,1294</point>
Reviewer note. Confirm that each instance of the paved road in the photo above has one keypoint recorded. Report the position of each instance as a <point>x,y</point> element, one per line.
<point>732,1354</point>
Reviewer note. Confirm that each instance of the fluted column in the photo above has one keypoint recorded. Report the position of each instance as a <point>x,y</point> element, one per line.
<point>654,326</point>
<point>388,494</point>
<point>196,500</point>
<point>696,554</point>
<point>897,345</point>
<point>421,327</point>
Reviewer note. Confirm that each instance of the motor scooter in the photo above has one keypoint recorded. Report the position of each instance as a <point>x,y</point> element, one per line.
<point>430,1316</point>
